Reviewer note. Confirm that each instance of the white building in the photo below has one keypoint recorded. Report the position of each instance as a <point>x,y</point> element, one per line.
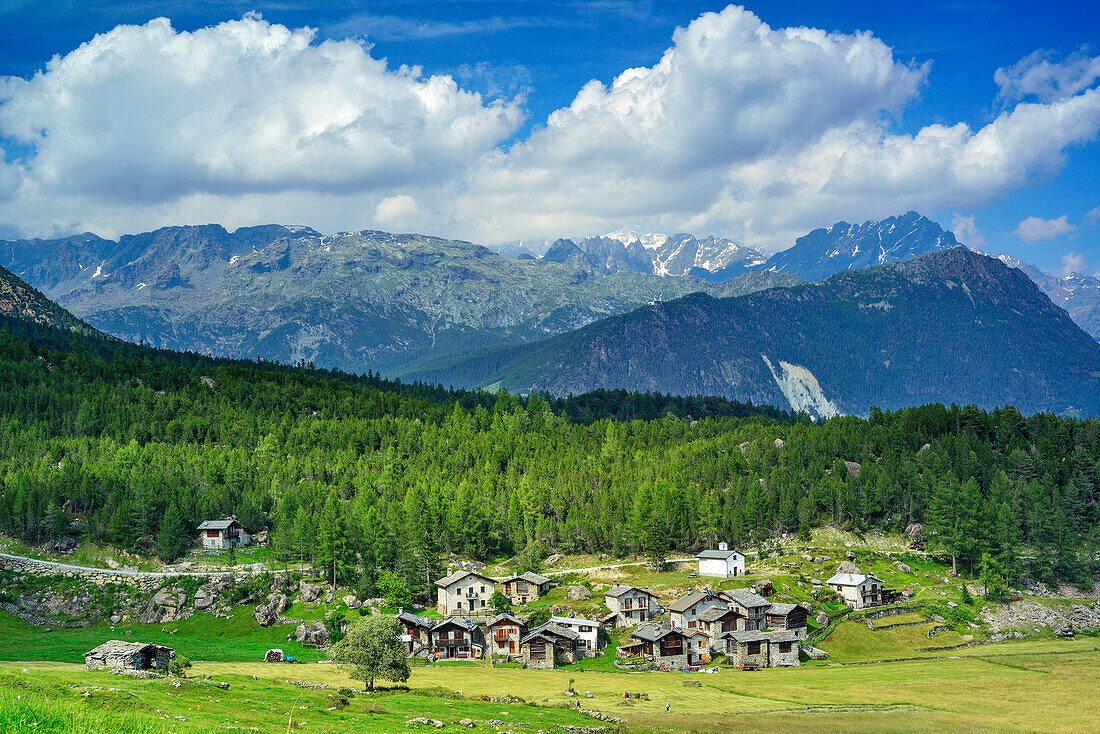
<point>588,632</point>
<point>464,592</point>
<point>221,534</point>
<point>723,563</point>
<point>858,590</point>
<point>686,611</point>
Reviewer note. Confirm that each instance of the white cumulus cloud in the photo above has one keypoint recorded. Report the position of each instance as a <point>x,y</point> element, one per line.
<point>1034,229</point>
<point>1041,74</point>
<point>1074,262</point>
<point>966,231</point>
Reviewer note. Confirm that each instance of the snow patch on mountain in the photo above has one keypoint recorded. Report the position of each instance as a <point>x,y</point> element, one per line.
<point>801,389</point>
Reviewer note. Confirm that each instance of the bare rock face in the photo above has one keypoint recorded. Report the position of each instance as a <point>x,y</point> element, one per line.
<point>577,593</point>
<point>914,536</point>
<point>310,592</point>
<point>551,560</point>
<point>266,614</point>
<point>853,468</point>
<point>903,567</point>
<point>165,606</point>
<point>847,567</point>
<point>312,633</point>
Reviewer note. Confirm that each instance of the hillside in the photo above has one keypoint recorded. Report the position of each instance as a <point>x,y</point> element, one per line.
<point>356,301</point>
<point>953,326</point>
<point>20,301</point>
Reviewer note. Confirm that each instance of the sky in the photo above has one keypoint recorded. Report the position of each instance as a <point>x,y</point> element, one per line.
<point>503,121</point>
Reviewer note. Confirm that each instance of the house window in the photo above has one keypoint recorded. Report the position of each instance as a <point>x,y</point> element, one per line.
<point>784,647</point>
<point>482,602</point>
<point>752,648</point>
<point>458,605</point>
<point>482,589</point>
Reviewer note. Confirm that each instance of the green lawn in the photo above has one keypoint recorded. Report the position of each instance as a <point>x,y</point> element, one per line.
<point>203,637</point>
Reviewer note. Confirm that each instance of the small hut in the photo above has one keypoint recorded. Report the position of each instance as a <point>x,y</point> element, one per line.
<point>129,657</point>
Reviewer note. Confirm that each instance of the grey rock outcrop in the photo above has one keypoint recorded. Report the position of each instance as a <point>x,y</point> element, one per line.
<point>577,593</point>
<point>165,606</point>
<point>266,614</point>
<point>310,592</point>
<point>351,602</point>
<point>312,633</point>
<point>847,567</point>
<point>914,536</point>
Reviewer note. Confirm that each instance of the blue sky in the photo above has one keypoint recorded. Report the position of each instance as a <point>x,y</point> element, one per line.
<point>507,172</point>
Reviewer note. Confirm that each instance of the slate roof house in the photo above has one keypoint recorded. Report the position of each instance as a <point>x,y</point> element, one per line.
<point>858,590</point>
<point>630,605</point>
<point>464,592</point>
<point>786,617</point>
<point>686,610</point>
<point>505,632</point>
<point>753,649</point>
<point>418,633</point>
<point>658,644</point>
<point>717,620</point>
<point>525,587</point>
<point>749,605</point>
<point>457,638</point>
<point>129,657</point>
<point>549,646</point>
<point>223,534</point>
<point>723,563</point>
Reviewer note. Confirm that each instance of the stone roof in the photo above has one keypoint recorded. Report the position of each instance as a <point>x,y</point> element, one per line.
<point>413,619</point>
<point>746,598</point>
<point>530,577</point>
<point>687,601</point>
<point>551,630</point>
<point>457,621</point>
<point>620,589</point>
<point>851,579</point>
<point>562,621</point>
<point>715,613</point>
<point>720,555</point>
<point>782,609</point>
<point>458,576</point>
<point>651,632</point>
<point>121,647</point>
<point>505,617</point>
<point>217,524</point>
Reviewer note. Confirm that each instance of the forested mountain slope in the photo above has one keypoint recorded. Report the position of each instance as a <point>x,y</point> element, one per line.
<point>18,300</point>
<point>952,326</point>
<point>363,476</point>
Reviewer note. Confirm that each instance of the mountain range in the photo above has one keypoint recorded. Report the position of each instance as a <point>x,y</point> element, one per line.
<point>951,326</point>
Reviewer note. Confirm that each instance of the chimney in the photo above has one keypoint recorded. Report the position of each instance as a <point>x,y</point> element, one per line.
<point>723,546</point>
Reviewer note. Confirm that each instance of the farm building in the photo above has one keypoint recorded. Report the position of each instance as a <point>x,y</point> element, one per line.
<point>661,645</point>
<point>224,534</point>
<point>549,646</point>
<point>786,617</point>
<point>750,649</point>
<point>749,605</point>
<point>418,633</point>
<point>460,639</point>
<point>686,610</point>
<point>129,657</point>
<point>588,634</point>
<point>525,587</point>
<point>723,563</point>
<point>858,590</point>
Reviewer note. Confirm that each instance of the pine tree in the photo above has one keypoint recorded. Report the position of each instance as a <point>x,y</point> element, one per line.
<point>172,538</point>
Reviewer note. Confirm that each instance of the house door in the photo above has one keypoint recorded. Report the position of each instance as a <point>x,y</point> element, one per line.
<point>511,646</point>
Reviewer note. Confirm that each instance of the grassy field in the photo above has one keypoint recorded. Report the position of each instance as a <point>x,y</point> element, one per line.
<point>203,637</point>
<point>1038,685</point>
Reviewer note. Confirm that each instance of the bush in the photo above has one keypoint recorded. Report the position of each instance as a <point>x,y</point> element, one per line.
<point>178,667</point>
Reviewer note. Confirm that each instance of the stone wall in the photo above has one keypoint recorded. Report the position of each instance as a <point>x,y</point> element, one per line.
<point>102,576</point>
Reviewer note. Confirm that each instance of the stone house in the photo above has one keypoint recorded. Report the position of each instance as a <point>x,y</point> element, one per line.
<point>686,610</point>
<point>549,646</point>
<point>749,605</point>
<point>722,563</point>
<point>751,649</point>
<point>786,617</point>
<point>697,645</point>
<point>418,633</point>
<point>661,645</point>
<point>129,657</point>
<point>630,605</point>
<point>858,590</point>
<point>718,620</point>
<point>224,534</point>
<point>588,634</point>
<point>525,587</point>
<point>464,593</point>
<point>504,634</point>
<point>456,638</point>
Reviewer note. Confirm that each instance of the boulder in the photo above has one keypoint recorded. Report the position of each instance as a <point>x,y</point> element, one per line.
<point>764,587</point>
<point>847,567</point>
<point>914,536</point>
<point>310,592</point>
<point>64,545</point>
<point>266,614</point>
<point>903,567</point>
<point>351,602</point>
<point>551,560</point>
<point>165,606</point>
<point>329,597</point>
<point>780,443</point>
<point>853,468</point>
<point>850,555</point>
<point>577,593</point>
<point>822,618</point>
<point>312,633</point>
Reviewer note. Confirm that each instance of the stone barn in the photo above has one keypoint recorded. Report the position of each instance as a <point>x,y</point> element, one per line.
<point>129,657</point>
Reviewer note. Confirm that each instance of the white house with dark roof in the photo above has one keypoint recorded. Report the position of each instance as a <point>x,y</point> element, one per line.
<point>721,563</point>
<point>588,633</point>
<point>749,605</point>
<point>464,592</point>
<point>223,534</point>
<point>858,590</point>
